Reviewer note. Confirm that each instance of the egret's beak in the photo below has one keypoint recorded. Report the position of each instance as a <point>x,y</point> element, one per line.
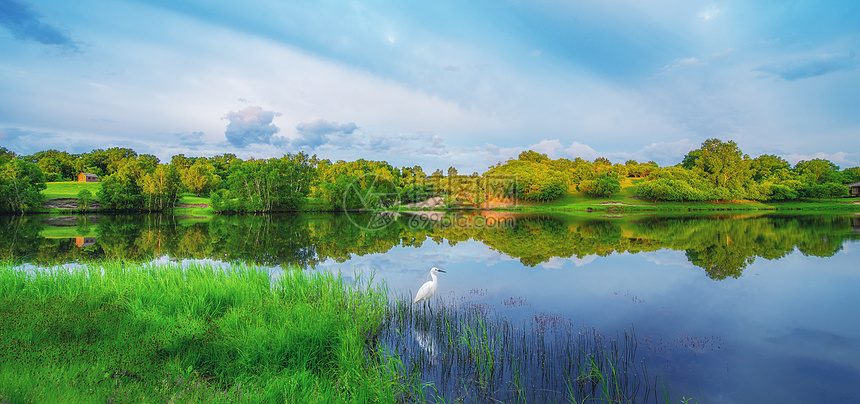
<point>439,270</point>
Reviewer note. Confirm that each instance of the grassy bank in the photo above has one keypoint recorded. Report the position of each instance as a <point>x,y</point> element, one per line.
<point>188,205</point>
<point>627,201</point>
<point>56,190</point>
<point>573,203</point>
<point>138,333</point>
<point>195,207</point>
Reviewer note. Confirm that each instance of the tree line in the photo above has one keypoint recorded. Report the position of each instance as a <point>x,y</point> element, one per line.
<point>140,182</point>
<point>717,171</point>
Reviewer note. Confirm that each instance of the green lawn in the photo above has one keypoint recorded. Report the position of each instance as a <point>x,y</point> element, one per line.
<point>69,189</point>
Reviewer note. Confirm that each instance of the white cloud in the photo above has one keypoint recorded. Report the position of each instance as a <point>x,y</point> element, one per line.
<point>584,151</point>
<point>249,125</point>
<point>549,147</point>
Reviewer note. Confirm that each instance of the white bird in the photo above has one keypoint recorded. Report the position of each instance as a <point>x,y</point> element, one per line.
<point>428,289</point>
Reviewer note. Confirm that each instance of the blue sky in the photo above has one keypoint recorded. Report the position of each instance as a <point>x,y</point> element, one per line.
<point>439,84</point>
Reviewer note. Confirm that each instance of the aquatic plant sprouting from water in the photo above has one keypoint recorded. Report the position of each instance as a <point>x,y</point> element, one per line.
<point>471,356</point>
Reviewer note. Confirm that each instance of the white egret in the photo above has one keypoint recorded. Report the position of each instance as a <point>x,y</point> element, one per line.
<point>428,289</point>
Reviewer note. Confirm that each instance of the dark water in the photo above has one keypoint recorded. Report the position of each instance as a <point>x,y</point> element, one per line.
<point>734,309</point>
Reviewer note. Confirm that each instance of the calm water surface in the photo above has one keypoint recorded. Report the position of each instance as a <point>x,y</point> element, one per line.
<point>743,309</point>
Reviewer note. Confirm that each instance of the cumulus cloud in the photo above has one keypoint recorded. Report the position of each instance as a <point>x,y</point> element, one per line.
<point>251,125</point>
<point>191,139</point>
<point>25,24</point>
<point>811,66</point>
<point>317,132</point>
<point>584,151</point>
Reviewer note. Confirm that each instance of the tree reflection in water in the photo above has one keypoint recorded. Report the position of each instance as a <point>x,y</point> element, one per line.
<point>722,245</point>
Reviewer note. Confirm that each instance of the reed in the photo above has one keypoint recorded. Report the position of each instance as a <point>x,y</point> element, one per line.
<point>160,333</point>
<point>471,356</point>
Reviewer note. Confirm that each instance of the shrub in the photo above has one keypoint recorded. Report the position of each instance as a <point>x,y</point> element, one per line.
<point>85,199</point>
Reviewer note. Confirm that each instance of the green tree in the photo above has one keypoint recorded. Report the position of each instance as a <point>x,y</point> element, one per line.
<point>160,188</point>
<point>6,155</point>
<point>122,191</point>
<point>835,190</point>
<point>56,165</point>
<point>532,177</point>
<point>199,177</point>
<point>85,199</point>
<point>360,184</point>
<point>818,171</point>
<point>725,167</point>
<point>767,165</point>
<point>675,184</point>
<point>21,185</point>
<point>783,192</point>
<point>851,175</point>
<point>533,156</point>
<point>181,162</point>
<point>602,161</point>
<point>691,158</point>
<point>266,185</point>
<point>600,187</point>
<point>638,170</point>
<point>223,162</point>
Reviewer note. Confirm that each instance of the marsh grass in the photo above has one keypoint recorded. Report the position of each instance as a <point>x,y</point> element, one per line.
<point>112,332</point>
<point>463,354</point>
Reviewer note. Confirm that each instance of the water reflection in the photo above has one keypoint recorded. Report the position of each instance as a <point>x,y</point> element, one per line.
<point>721,245</point>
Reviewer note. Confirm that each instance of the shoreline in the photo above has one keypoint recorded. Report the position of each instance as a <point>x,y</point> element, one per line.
<point>64,207</point>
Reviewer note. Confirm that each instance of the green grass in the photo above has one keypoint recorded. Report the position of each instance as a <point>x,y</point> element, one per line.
<point>196,212</point>
<point>136,333</point>
<point>56,190</point>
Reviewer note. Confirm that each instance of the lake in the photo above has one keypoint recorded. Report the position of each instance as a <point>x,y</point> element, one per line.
<point>732,308</point>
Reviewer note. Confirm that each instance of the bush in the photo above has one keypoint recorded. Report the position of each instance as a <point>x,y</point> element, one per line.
<point>600,187</point>
<point>85,199</point>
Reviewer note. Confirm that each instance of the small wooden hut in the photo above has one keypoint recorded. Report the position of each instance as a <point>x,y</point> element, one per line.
<point>87,177</point>
<point>854,189</point>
